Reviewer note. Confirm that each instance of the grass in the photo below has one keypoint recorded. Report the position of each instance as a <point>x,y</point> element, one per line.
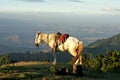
<point>46,71</point>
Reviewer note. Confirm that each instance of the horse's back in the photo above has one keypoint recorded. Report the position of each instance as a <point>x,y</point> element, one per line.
<point>73,40</point>
<point>72,44</point>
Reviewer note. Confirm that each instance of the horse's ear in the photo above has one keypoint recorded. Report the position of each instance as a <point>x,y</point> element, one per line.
<point>38,32</point>
<point>58,33</point>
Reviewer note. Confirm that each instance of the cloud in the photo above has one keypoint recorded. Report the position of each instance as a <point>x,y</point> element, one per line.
<point>76,1</point>
<point>80,1</point>
<point>13,38</point>
<point>33,0</point>
<point>111,9</point>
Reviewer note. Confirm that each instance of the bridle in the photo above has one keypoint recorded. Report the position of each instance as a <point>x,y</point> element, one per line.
<point>47,39</point>
<point>38,35</point>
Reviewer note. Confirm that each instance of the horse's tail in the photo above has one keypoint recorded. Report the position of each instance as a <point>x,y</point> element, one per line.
<point>79,50</point>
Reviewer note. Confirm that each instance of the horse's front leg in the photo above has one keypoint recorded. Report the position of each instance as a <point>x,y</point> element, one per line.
<point>54,55</point>
<point>54,61</point>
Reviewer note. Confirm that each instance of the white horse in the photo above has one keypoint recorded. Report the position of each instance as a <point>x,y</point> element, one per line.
<point>72,45</point>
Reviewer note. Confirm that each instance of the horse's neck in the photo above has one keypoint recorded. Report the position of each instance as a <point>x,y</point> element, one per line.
<point>47,38</point>
<point>44,37</point>
<point>51,37</point>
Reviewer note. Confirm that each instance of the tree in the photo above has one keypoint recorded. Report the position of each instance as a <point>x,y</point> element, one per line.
<point>111,62</point>
<point>108,63</point>
<point>4,60</point>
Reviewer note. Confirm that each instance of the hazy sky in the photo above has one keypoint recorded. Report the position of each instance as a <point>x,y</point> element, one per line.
<point>62,6</point>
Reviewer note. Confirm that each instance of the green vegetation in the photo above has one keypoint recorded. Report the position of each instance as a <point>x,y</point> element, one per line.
<point>46,71</point>
<point>94,68</point>
<point>108,63</point>
<point>4,60</point>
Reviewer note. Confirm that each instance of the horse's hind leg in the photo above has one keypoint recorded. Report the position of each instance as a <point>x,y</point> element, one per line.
<point>79,61</point>
<point>78,55</point>
<point>77,68</point>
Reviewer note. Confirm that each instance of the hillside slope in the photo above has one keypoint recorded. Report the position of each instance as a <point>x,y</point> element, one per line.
<point>103,45</point>
<point>8,49</point>
<point>41,56</point>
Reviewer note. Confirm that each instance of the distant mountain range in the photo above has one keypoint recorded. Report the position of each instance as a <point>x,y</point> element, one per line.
<point>103,45</point>
<point>8,49</point>
<point>4,49</point>
<point>100,46</point>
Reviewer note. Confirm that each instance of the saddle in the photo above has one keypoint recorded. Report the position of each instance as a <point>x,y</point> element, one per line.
<point>63,37</point>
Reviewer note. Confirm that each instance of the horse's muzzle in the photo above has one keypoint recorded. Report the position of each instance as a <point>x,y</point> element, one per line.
<point>36,45</point>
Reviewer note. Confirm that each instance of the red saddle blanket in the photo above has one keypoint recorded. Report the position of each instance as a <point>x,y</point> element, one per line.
<point>64,37</point>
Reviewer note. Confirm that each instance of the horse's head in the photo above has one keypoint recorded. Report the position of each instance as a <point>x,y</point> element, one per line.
<point>38,39</point>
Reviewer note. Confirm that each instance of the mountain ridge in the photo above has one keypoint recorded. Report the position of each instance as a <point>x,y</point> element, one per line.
<point>104,45</point>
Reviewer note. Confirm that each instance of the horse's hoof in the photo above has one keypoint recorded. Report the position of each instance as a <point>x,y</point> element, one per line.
<point>54,63</point>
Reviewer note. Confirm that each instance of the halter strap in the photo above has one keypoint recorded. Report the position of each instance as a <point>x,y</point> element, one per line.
<point>47,39</point>
<point>38,35</point>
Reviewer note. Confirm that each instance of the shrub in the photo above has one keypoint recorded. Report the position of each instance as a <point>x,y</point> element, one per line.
<point>4,60</point>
